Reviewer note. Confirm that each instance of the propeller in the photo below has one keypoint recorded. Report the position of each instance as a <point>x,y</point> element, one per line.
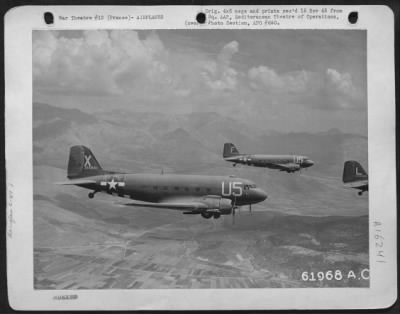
<point>233,209</point>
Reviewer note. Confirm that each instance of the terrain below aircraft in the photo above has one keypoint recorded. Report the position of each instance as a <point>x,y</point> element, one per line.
<point>208,196</point>
<point>288,163</point>
<point>355,177</point>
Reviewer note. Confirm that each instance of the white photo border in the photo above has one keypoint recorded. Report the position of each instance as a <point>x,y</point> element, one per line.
<point>378,21</point>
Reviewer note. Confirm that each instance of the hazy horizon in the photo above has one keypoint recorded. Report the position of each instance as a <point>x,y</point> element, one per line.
<point>278,79</point>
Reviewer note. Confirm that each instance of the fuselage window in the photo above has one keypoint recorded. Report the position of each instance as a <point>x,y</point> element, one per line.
<point>186,189</point>
<point>208,190</point>
<point>155,187</point>
<point>165,188</point>
<point>197,189</point>
<point>176,188</point>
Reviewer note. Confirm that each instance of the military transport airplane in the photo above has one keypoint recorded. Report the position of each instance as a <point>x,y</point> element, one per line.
<point>355,177</point>
<point>208,196</point>
<point>288,163</point>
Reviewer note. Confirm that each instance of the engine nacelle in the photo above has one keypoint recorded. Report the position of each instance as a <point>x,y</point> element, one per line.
<point>219,205</point>
<point>291,168</point>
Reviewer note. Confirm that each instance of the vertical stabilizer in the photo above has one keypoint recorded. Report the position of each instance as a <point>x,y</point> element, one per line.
<point>82,163</point>
<point>230,150</point>
<point>353,172</point>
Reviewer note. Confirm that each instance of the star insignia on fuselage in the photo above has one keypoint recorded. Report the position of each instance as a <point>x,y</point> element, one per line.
<point>112,185</point>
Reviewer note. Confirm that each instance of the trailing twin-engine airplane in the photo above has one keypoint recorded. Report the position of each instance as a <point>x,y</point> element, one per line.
<point>208,196</point>
<point>354,176</point>
<point>288,163</point>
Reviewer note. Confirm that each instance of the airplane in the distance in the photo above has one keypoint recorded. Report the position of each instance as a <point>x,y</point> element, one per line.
<point>205,195</point>
<point>288,163</point>
<point>355,177</point>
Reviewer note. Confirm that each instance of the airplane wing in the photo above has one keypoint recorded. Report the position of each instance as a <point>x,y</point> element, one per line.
<point>288,167</point>
<point>197,206</point>
<point>76,182</point>
<point>208,203</point>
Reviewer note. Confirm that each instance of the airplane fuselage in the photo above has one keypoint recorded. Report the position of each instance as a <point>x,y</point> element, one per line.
<point>291,163</point>
<point>160,187</point>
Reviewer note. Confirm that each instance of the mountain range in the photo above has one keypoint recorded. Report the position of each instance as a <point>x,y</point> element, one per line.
<point>308,223</point>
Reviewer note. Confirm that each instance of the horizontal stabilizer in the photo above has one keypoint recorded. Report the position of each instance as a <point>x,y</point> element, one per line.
<point>76,182</point>
<point>356,184</point>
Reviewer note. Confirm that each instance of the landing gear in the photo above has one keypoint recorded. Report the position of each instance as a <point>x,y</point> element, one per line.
<point>360,193</point>
<point>207,215</point>
<point>91,194</point>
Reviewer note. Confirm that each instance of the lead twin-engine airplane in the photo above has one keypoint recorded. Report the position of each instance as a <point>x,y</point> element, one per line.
<point>208,196</point>
<point>288,163</point>
<point>355,177</point>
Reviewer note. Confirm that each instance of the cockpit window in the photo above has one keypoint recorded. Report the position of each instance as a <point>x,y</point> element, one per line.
<point>249,186</point>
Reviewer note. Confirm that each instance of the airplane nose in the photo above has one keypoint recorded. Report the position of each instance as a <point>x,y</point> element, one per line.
<point>261,195</point>
<point>310,162</point>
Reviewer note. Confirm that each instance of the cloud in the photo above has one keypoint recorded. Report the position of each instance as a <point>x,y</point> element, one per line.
<point>267,78</point>
<point>342,83</point>
<point>339,91</point>
<point>138,66</point>
<point>226,54</point>
<point>328,90</point>
<point>98,62</point>
<point>219,75</point>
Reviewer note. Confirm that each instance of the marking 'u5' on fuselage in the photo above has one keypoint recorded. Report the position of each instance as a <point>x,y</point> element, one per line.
<point>234,188</point>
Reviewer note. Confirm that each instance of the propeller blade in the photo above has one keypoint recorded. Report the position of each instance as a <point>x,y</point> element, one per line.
<point>233,209</point>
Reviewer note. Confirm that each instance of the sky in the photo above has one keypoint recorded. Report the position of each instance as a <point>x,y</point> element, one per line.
<point>284,80</point>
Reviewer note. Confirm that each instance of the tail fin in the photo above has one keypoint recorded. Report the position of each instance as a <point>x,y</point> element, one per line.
<point>82,163</point>
<point>230,150</point>
<point>353,171</point>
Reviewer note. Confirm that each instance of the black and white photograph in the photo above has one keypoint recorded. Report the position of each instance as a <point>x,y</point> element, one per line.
<point>200,159</point>
<point>162,161</point>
